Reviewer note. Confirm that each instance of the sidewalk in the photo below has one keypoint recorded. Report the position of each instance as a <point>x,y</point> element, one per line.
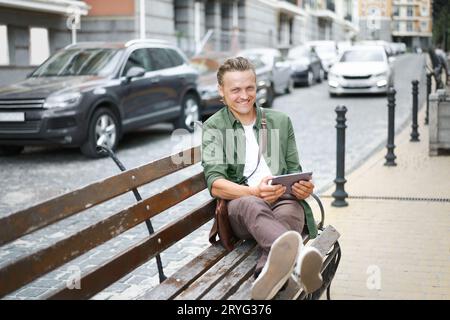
<point>395,248</point>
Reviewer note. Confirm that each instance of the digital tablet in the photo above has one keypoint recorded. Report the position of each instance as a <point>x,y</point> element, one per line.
<point>288,180</point>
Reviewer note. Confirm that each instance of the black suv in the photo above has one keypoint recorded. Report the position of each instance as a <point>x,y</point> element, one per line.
<point>89,94</point>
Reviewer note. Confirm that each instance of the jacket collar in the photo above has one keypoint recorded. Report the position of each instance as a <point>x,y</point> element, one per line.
<point>234,121</point>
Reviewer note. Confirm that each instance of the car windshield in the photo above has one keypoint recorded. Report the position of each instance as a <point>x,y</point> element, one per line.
<point>325,49</point>
<point>75,62</point>
<point>256,61</point>
<point>362,56</point>
<point>299,52</point>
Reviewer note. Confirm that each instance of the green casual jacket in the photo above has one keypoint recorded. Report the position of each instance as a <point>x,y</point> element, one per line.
<point>223,150</point>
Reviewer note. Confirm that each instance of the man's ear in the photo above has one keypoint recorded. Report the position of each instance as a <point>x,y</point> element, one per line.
<point>220,89</point>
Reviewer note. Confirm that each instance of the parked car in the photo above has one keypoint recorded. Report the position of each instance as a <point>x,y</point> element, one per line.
<point>361,69</point>
<point>327,52</point>
<point>306,65</point>
<point>207,67</point>
<point>275,67</point>
<point>90,94</point>
<point>386,45</point>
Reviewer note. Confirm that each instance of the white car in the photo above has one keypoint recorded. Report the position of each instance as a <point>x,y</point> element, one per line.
<point>327,52</point>
<point>274,64</point>
<point>361,69</point>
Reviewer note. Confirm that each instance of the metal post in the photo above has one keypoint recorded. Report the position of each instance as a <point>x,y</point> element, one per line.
<point>142,17</point>
<point>340,194</point>
<point>390,156</point>
<point>138,197</point>
<point>428,96</point>
<point>415,93</point>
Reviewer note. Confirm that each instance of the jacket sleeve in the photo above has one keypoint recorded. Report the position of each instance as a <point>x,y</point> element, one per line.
<point>213,158</point>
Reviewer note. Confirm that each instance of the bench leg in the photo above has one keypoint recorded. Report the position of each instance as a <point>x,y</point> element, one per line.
<point>331,265</point>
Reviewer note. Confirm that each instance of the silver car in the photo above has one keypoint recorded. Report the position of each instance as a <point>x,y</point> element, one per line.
<point>277,68</point>
<point>361,69</point>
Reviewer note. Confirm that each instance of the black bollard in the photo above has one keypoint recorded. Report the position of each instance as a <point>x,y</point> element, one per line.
<point>428,96</point>
<point>340,194</point>
<point>390,156</point>
<point>415,93</point>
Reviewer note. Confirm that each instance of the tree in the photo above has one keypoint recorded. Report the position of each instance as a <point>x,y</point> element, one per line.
<point>441,23</point>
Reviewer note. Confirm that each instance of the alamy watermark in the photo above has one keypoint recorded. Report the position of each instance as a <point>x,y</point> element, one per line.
<point>224,147</point>
<point>373,282</point>
<point>74,280</point>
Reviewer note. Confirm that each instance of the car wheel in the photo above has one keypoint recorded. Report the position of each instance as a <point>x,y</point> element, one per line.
<point>10,150</point>
<point>270,97</point>
<point>290,86</point>
<point>190,113</point>
<point>310,78</point>
<point>103,130</point>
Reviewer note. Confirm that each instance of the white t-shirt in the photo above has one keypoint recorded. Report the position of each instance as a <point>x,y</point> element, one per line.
<point>251,158</point>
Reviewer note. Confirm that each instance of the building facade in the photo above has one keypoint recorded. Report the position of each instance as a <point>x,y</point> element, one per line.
<point>408,21</point>
<point>30,31</point>
<point>412,23</point>
<point>194,25</point>
<point>375,19</point>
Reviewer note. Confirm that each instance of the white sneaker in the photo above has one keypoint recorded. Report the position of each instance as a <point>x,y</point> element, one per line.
<point>307,269</point>
<point>279,266</point>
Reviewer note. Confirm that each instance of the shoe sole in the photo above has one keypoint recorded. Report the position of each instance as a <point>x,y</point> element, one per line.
<point>281,262</point>
<point>311,266</point>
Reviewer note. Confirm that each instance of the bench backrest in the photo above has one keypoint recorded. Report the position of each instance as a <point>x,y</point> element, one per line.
<point>28,268</point>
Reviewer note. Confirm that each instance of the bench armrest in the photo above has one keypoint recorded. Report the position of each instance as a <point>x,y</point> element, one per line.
<point>322,212</point>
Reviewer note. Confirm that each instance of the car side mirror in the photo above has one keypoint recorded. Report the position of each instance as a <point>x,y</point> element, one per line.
<point>135,72</point>
<point>391,59</point>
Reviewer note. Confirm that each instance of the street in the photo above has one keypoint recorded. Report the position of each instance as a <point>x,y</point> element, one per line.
<point>40,173</point>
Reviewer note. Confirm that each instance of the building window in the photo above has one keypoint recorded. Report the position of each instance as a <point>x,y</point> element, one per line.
<point>396,26</point>
<point>424,26</point>
<point>39,46</point>
<point>410,11</point>
<point>424,11</point>
<point>4,49</point>
<point>409,26</point>
<point>396,13</point>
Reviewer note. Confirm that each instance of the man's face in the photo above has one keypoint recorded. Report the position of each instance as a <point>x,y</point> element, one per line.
<point>239,91</point>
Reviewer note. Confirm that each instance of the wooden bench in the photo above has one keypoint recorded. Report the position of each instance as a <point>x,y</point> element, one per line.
<point>214,274</point>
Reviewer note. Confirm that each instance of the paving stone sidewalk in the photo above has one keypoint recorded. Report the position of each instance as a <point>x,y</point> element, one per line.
<point>395,233</point>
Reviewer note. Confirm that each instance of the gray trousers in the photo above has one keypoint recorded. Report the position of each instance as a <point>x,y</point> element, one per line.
<point>252,218</point>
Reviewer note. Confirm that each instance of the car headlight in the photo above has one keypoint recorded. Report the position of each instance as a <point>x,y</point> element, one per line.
<point>333,75</point>
<point>263,83</point>
<point>63,100</point>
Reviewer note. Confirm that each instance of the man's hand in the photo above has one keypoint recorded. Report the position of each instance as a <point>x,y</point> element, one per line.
<point>302,189</point>
<point>267,192</point>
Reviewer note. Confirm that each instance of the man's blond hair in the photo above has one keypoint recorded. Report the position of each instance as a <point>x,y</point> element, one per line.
<point>234,64</point>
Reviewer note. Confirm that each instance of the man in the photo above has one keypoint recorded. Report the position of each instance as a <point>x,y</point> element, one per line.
<point>231,155</point>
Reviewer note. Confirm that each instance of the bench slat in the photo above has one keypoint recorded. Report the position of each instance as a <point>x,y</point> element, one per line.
<point>36,217</point>
<point>243,292</point>
<point>30,267</point>
<point>215,275</point>
<point>181,279</point>
<point>125,262</point>
<point>231,282</point>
